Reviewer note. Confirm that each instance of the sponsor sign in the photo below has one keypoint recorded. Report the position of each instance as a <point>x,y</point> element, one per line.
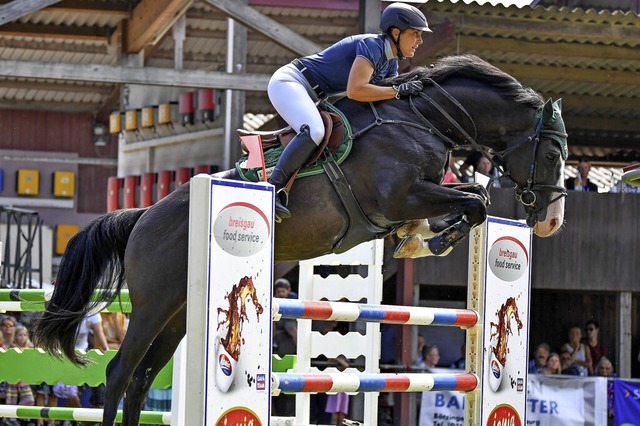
<point>551,401</point>
<point>238,322</point>
<point>506,322</point>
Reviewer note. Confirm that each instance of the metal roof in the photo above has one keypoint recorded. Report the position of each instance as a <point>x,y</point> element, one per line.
<point>585,52</point>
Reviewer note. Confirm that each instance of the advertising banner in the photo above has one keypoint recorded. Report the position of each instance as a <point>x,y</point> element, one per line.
<point>506,322</point>
<point>626,402</point>
<point>566,401</point>
<point>238,337</point>
<point>551,401</point>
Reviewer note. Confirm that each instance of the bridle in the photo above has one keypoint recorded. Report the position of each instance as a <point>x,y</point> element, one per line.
<point>525,195</point>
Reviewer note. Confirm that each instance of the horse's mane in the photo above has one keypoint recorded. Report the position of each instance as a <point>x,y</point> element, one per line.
<point>472,67</point>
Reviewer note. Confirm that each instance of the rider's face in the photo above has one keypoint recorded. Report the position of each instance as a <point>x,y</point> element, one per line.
<point>409,42</point>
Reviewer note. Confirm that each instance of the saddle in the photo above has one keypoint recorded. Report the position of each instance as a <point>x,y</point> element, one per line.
<point>333,136</point>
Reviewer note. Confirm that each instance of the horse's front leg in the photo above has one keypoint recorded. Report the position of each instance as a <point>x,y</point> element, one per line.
<point>464,207</point>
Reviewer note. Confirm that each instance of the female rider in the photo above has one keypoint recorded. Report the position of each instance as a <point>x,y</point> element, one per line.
<point>353,65</point>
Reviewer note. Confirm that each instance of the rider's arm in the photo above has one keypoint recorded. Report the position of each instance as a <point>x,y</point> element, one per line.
<point>359,88</point>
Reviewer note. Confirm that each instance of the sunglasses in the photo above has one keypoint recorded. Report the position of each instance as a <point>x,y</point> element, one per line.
<point>8,325</point>
<point>589,329</point>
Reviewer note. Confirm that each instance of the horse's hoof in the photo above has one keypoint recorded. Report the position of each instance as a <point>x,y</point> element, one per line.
<point>408,247</point>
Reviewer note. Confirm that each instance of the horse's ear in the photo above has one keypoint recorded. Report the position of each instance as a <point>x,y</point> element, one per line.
<point>558,105</point>
<point>547,111</point>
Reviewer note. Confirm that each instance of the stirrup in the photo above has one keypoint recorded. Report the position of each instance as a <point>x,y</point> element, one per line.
<point>279,216</point>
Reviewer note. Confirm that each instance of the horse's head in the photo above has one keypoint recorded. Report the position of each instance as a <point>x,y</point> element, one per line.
<point>536,167</point>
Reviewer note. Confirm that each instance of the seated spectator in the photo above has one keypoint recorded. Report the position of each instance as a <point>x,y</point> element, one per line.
<point>421,344</point>
<point>470,165</point>
<point>581,182</point>
<point>21,339</point>
<point>553,364</point>
<point>540,356</point>
<point>579,352</point>
<point>569,367</point>
<point>282,289</point>
<point>624,188</point>
<point>430,357</point>
<point>460,363</point>
<point>604,368</point>
<point>9,324</point>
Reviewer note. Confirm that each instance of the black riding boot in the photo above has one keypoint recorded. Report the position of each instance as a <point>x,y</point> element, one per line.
<point>293,157</point>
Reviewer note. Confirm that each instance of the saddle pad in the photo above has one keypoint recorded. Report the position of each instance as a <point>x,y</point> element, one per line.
<point>272,155</point>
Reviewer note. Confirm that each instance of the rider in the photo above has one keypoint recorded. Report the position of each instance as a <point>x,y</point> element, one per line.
<point>353,65</point>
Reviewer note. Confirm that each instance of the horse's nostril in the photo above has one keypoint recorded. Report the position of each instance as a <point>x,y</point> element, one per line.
<point>554,223</point>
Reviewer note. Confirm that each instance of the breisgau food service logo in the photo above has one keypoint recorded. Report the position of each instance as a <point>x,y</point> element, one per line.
<point>508,258</point>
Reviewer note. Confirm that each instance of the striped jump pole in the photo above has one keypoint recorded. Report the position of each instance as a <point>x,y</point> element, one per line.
<point>355,312</point>
<point>353,382</point>
<point>77,414</point>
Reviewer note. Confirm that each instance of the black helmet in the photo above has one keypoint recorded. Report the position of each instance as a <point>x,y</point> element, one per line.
<point>403,17</point>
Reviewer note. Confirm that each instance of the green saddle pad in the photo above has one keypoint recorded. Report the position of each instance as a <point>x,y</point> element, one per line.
<point>272,155</point>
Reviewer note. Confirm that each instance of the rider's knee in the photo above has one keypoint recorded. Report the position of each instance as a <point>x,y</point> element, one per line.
<point>316,133</point>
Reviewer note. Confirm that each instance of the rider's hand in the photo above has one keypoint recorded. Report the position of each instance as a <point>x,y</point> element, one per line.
<point>410,88</point>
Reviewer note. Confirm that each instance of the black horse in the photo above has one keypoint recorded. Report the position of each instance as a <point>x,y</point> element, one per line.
<point>395,170</point>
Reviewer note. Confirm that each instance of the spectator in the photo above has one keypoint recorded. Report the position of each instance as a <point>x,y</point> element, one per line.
<point>430,357</point>
<point>581,182</point>
<point>470,165</point>
<point>421,343</point>
<point>596,347</point>
<point>22,340</point>
<point>460,363</point>
<point>8,330</point>
<point>540,357</point>
<point>604,368</point>
<point>114,325</point>
<point>338,404</point>
<point>19,393</point>
<point>623,187</point>
<point>578,350</point>
<point>569,367</point>
<point>92,322</point>
<point>282,289</point>
<point>553,364</point>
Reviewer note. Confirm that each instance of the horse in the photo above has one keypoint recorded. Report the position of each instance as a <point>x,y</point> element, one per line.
<point>401,148</point>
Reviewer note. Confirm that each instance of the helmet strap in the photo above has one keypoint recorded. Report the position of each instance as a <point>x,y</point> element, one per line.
<point>396,41</point>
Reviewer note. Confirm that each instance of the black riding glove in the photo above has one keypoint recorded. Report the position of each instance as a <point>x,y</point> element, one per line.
<point>410,88</point>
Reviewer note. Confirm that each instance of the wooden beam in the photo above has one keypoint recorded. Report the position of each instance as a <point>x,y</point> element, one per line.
<point>151,20</point>
<point>93,7</point>
<point>601,123</point>
<point>145,76</point>
<point>272,29</point>
<point>469,43</point>
<point>592,102</point>
<point>55,31</point>
<point>110,104</point>
<point>19,8</point>
<point>542,72</point>
<point>471,24</point>
<point>56,87</point>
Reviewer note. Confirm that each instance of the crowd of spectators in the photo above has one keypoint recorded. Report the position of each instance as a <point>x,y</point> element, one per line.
<point>102,331</point>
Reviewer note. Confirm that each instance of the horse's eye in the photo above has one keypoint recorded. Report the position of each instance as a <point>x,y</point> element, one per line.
<point>551,156</point>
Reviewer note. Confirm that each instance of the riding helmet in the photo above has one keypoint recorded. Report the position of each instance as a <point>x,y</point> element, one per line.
<point>403,17</point>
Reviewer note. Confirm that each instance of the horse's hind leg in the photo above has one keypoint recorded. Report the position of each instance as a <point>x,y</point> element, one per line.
<point>145,324</point>
<point>164,347</point>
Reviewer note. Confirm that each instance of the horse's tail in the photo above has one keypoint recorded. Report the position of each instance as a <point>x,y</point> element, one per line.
<point>93,259</point>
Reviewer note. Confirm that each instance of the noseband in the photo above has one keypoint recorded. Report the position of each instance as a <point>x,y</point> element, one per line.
<point>525,195</point>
